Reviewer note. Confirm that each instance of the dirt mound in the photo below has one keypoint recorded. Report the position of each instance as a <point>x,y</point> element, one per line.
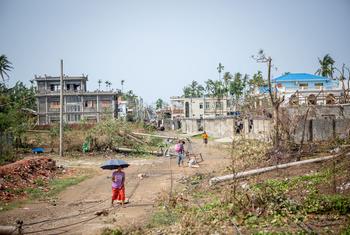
<point>27,173</point>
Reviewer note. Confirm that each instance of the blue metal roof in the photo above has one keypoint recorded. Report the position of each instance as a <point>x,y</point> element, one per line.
<point>300,77</point>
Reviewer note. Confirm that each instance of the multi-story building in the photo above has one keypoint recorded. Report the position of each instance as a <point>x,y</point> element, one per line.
<point>304,88</point>
<point>78,103</point>
<point>203,107</point>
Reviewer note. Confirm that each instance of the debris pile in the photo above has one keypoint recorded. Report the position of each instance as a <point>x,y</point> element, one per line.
<point>26,173</point>
<point>117,135</point>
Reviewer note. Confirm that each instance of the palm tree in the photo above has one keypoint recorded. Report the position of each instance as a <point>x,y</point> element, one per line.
<point>108,84</point>
<point>220,68</point>
<point>5,66</point>
<point>327,68</point>
<point>122,83</point>
<point>227,78</point>
<point>99,84</point>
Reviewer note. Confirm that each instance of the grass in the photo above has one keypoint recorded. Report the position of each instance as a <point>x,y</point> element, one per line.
<point>44,190</point>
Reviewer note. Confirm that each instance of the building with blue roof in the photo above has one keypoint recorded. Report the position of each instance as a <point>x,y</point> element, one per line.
<point>304,81</point>
<point>299,88</point>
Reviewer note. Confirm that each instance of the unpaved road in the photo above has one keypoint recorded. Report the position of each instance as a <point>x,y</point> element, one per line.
<point>73,212</point>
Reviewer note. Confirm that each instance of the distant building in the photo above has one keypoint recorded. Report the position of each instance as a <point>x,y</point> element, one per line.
<point>304,88</point>
<point>203,107</point>
<point>79,104</point>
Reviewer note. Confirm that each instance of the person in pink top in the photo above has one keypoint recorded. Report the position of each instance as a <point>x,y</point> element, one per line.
<point>118,189</point>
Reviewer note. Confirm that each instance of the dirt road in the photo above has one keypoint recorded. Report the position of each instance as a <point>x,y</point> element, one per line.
<point>73,212</point>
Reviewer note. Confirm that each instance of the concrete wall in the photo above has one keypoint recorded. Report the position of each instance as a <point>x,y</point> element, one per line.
<point>321,111</point>
<point>323,123</point>
<point>225,127</point>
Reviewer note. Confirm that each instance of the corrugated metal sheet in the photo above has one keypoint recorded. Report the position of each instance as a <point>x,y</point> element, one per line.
<point>300,77</point>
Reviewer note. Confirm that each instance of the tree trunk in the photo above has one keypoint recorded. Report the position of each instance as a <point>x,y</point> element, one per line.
<point>244,174</point>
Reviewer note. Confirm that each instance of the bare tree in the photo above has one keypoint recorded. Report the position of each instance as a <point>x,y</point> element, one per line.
<point>276,100</point>
<point>342,78</point>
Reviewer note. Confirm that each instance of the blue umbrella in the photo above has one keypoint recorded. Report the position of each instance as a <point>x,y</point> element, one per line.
<point>114,164</point>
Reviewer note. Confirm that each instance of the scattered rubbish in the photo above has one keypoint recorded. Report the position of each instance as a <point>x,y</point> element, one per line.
<point>141,176</point>
<point>336,150</point>
<point>102,212</point>
<point>344,187</point>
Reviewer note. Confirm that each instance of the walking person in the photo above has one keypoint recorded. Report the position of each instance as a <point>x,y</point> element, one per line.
<point>118,189</point>
<point>179,148</point>
<point>205,138</point>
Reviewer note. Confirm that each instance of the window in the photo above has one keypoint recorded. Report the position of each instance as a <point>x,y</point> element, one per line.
<point>319,85</point>
<point>303,86</point>
<point>55,87</point>
<point>55,105</point>
<point>218,105</point>
<point>73,117</point>
<point>90,104</point>
<point>207,105</point>
<point>200,105</point>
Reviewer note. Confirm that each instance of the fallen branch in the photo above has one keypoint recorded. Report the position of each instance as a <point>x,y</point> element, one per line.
<point>135,139</point>
<point>158,136</point>
<point>127,150</point>
<point>238,175</point>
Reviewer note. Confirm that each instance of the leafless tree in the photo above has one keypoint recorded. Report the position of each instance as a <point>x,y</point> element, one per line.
<point>342,78</point>
<point>276,100</point>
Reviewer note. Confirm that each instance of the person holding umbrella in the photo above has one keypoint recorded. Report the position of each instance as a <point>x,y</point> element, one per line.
<point>118,179</point>
<point>118,189</point>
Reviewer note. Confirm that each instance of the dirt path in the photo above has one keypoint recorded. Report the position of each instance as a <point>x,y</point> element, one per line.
<point>73,212</point>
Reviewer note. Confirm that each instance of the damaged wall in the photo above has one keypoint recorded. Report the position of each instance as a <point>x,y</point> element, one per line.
<point>323,123</point>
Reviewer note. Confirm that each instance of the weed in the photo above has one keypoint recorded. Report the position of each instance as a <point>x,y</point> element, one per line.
<point>58,185</point>
<point>163,217</point>
<point>108,231</point>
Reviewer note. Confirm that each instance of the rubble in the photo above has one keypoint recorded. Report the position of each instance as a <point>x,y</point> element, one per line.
<point>26,173</point>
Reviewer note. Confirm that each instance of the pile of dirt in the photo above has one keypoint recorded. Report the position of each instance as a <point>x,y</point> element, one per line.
<point>26,173</point>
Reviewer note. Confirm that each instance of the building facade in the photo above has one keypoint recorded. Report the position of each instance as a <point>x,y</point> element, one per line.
<point>78,103</point>
<point>303,88</point>
<point>204,107</point>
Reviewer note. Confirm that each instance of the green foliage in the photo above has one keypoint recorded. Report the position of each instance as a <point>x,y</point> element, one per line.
<point>193,90</point>
<point>325,203</point>
<point>15,117</point>
<point>256,81</point>
<point>215,88</point>
<point>326,66</point>
<point>163,217</point>
<point>237,86</point>
<point>159,103</point>
<point>5,67</point>
<point>109,231</point>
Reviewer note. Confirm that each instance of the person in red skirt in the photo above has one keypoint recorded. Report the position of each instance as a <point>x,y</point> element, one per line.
<point>118,189</point>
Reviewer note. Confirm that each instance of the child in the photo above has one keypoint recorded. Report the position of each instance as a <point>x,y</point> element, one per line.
<point>205,138</point>
<point>118,190</point>
<point>179,148</point>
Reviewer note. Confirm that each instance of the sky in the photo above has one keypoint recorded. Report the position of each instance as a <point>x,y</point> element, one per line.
<point>159,46</point>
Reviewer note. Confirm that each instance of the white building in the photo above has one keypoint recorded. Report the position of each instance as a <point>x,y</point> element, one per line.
<point>203,107</point>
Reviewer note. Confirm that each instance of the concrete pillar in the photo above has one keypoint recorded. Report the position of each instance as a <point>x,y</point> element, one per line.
<point>46,110</point>
<point>82,107</point>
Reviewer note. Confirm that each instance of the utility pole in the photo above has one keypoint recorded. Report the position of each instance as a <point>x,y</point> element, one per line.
<point>61,111</point>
